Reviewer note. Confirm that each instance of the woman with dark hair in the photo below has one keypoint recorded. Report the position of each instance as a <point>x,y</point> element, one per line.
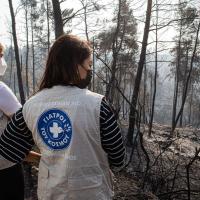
<point>74,128</point>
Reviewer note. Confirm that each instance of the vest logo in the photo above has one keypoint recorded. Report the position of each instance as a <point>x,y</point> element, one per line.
<point>54,127</point>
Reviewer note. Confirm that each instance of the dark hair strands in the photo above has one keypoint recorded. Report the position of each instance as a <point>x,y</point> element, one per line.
<point>67,52</point>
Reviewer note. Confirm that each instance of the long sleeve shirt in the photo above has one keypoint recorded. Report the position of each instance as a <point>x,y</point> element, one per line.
<point>17,140</point>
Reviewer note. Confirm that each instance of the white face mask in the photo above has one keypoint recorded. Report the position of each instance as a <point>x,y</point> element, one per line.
<point>3,66</point>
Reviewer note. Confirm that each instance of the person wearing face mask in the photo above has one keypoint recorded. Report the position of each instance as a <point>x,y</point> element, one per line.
<point>75,129</point>
<point>11,174</point>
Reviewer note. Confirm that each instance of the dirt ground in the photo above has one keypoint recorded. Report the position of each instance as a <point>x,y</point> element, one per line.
<point>170,164</point>
<point>125,187</point>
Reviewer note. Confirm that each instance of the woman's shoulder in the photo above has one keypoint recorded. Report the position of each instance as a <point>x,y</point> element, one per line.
<point>2,84</point>
<point>5,91</point>
<point>9,103</point>
<point>4,88</point>
<point>93,94</point>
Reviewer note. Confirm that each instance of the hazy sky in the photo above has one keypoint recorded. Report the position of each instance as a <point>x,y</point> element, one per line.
<point>5,27</point>
<point>139,11</point>
<point>4,18</point>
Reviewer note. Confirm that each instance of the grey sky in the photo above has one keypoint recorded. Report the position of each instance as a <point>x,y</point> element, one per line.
<point>139,12</point>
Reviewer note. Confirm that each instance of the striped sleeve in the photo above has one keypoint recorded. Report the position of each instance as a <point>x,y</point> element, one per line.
<point>16,140</point>
<point>111,137</point>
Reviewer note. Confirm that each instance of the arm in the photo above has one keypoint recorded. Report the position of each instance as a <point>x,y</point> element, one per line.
<point>111,137</point>
<point>8,101</point>
<point>33,157</point>
<point>9,105</point>
<point>16,140</point>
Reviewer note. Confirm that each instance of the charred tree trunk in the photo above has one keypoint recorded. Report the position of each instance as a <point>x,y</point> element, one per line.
<point>155,75</point>
<point>150,95</point>
<point>176,84</point>
<point>115,50</point>
<point>94,70</point>
<point>11,64</point>
<point>27,50</point>
<point>132,116</point>
<point>48,27</point>
<point>14,85</point>
<point>188,78</point>
<point>190,105</point>
<point>33,48</point>
<point>57,18</point>
<point>85,19</point>
<point>144,95</point>
<point>19,75</point>
<point>184,80</point>
<point>110,87</point>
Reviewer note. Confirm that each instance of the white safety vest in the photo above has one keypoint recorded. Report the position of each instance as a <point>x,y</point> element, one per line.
<point>65,122</point>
